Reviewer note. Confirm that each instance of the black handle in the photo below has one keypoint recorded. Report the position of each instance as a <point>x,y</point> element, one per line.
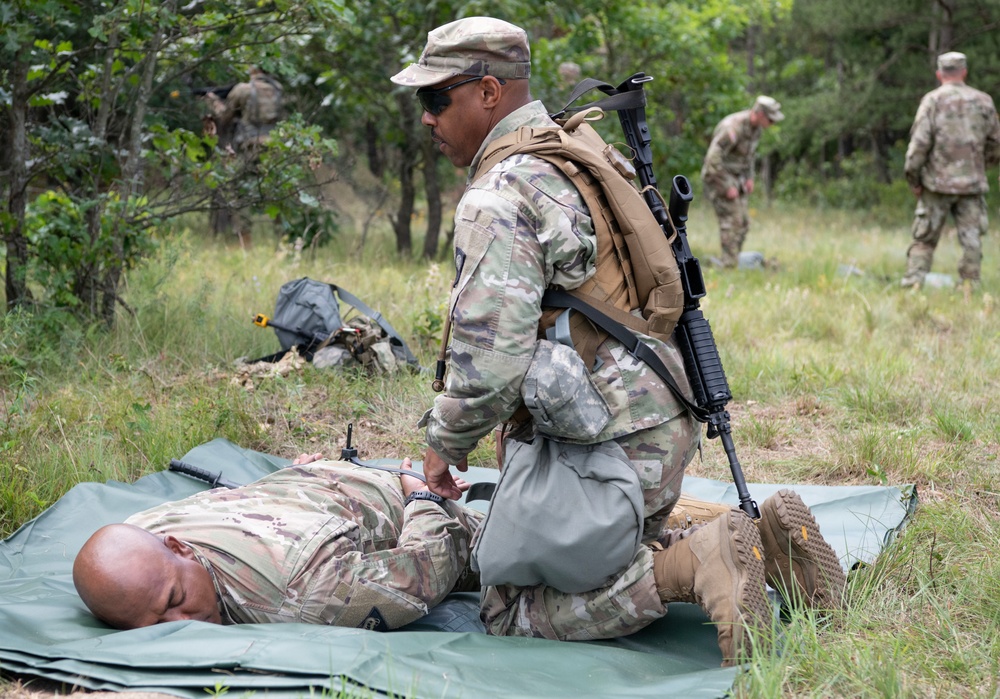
<point>215,480</point>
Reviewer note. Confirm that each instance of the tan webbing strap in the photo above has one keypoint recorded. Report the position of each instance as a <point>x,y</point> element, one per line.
<point>635,267</point>
<point>504,147</point>
<point>614,267</point>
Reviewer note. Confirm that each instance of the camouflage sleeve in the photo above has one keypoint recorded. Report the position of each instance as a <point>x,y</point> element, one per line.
<point>992,145</point>
<point>714,173</point>
<point>399,584</point>
<point>519,229</point>
<point>235,102</point>
<point>921,140</point>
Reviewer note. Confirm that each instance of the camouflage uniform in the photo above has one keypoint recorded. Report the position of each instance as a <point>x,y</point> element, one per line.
<point>954,137</point>
<point>250,112</point>
<point>257,106</point>
<point>520,228</point>
<point>729,162</point>
<point>322,543</point>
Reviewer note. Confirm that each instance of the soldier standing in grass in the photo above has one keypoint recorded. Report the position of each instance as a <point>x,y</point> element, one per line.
<point>954,138</point>
<point>728,171</point>
<point>521,227</point>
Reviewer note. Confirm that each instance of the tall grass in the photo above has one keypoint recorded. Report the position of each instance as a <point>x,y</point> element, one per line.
<point>837,377</point>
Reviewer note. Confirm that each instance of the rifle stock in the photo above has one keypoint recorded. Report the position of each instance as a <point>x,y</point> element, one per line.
<point>693,333</point>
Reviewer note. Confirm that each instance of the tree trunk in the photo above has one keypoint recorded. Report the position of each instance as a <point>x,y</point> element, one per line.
<point>86,281</point>
<point>766,178</point>
<point>942,34</point>
<point>432,190</point>
<point>375,164</point>
<point>880,155</point>
<point>402,223</point>
<point>16,277</point>
<point>132,174</point>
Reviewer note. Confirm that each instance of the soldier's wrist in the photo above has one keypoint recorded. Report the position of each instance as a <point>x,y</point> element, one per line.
<point>424,496</point>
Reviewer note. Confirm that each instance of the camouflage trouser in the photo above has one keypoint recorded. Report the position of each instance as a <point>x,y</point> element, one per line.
<point>630,602</point>
<point>932,211</point>
<point>734,223</point>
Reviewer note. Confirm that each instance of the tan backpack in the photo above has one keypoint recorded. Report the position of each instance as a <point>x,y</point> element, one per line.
<point>636,268</point>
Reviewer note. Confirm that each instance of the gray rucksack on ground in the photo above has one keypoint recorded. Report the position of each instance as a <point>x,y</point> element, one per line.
<point>307,316</point>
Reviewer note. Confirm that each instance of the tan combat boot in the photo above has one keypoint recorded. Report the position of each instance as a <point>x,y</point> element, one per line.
<point>689,512</point>
<point>798,562</point>
<point>720,567</point>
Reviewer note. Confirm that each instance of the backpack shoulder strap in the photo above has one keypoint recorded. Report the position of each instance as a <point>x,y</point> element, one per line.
<point>527,139</point>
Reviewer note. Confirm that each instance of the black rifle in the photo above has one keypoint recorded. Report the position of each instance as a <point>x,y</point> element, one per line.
<point>222,91</point>
<point>693,333</point>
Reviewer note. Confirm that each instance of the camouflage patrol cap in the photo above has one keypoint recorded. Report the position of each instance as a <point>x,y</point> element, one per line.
<point>770,107</point>
<point>951,61</point>
<point>470,46</point>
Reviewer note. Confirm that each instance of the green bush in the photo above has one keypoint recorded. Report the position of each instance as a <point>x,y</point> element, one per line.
<point>852,185</point>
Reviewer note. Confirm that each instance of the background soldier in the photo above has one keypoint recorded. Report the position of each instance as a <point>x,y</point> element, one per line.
<point>728,171</point>
<point>955,136</point>
<point>243,121</point>
<point>254,105</point>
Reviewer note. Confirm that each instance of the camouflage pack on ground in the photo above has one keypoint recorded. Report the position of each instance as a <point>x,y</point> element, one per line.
<point>307,317</point>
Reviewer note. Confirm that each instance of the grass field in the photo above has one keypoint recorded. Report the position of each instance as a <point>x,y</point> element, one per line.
<point>837,379</point>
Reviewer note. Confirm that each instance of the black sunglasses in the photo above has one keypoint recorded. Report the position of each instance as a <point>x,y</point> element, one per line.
<point>434,101</point>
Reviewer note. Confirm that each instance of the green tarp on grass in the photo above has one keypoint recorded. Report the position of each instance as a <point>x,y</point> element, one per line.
<point>45,630</point>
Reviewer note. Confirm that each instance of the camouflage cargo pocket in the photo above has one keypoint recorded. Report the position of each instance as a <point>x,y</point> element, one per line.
<point>559,394</point>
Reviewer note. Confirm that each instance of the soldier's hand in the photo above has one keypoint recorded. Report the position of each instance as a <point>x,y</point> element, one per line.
<point>306,458</point>
<point>732,193</point>
<point>411,484</point>
<point>439,478</point>
<point>748,187</point>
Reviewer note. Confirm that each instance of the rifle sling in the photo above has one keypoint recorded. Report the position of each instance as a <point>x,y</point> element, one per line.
<point>615,101</point>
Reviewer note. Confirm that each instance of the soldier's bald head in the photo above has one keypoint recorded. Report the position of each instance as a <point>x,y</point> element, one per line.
<point>129,578</point>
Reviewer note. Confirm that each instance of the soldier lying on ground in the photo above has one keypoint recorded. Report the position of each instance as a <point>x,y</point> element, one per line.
<point>322,542</point>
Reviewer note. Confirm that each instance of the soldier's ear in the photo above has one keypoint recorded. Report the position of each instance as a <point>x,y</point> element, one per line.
<point>491,91</point>
<point>178,547</point>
